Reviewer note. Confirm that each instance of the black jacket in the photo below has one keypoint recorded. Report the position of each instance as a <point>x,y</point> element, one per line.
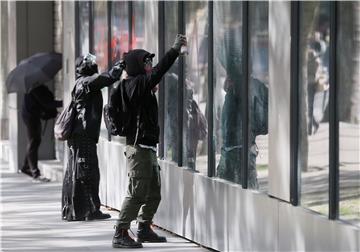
<point>142,101</point>
<point>89,102</point>
<point>39,100</point>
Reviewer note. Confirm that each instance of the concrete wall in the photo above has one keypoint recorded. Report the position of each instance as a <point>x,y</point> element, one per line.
<point>34,33</point>
<point>68,14</point>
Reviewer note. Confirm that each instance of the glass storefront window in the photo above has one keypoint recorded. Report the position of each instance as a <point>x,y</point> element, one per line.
<point>314,101</point>
<point>171,86</point>
<point>348,74</point>
<point>195,87</point>
<point>84,7</point>
<point>100,34</point>
<point>258,99</point>
<point>119,29</point>
<point>145,34</point>
<point>227,76</point>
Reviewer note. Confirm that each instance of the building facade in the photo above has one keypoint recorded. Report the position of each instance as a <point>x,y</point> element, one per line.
<point>260,137</point>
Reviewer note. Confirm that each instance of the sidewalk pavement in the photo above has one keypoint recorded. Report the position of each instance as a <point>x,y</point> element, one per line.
<point>30,220</point>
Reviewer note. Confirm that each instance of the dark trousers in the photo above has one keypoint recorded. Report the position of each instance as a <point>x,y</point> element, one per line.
<point>80,193</point>
<point>33,127</point>
<point>143,195</point>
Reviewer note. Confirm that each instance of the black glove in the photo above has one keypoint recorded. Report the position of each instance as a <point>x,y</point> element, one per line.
<point>180,40</point>
<point>121,64</point>
<point>117,69</point>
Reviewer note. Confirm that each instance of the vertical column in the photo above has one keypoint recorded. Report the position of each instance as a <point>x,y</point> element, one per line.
<point>279,99</point>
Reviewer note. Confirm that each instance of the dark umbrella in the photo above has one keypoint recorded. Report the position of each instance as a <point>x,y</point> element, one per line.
<point>33,71</point>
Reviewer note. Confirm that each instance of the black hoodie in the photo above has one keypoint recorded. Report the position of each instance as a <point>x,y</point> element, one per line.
<point>89,101</point>
<point>138,88</point>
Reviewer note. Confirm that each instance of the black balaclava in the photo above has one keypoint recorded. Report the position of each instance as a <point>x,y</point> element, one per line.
<point>134,60</point>
<point>83,69</point>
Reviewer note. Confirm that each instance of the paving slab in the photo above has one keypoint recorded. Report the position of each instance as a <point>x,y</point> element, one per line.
<point>30,220</point>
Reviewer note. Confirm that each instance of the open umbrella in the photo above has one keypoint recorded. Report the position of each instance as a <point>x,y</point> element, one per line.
<point>33,71</point>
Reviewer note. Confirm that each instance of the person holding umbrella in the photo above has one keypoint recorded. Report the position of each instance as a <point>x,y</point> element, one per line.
<point>39,103</point>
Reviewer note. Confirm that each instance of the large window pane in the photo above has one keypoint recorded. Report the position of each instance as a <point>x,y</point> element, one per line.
<point>101,34</point>
<point>195,88</point>
<point>101,45</point>
<point>84,27</point>
<point>314,99</point>
<point>170,86</point>
<point>145,23</point>
<point>227,110</point>
<point>138,20</point>
<point>348,59</point>
<point>258,99</point>
<point>120,30</point>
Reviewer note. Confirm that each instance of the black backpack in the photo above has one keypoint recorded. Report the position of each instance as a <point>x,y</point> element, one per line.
<point>65,123</point>
<point>117,115</point>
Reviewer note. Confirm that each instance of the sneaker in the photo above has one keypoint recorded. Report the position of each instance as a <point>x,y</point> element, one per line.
<point>122,239</point>
<point>146,234</point>
<point>40,179</point>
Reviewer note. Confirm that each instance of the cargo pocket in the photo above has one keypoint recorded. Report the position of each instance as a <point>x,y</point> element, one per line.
<point>138,163</point>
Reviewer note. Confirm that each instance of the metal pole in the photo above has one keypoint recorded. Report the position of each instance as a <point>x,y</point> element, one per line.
<point>161,10</point>
<point>333,120</point>
<point>294,104</point>
<point>211,149</point>
<point>181,80</point>
<point>245,95</point>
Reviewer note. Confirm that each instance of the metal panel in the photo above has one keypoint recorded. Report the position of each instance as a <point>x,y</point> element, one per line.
<point>303,230</point>
<point>279,99</point>
<point>216,213</point>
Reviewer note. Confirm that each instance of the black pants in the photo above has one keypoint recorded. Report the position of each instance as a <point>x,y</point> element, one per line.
<point>80,192</point>
<point>33,127</point>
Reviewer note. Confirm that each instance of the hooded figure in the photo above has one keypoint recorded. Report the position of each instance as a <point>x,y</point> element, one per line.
<point>80,199</point>
<point>141,139</point>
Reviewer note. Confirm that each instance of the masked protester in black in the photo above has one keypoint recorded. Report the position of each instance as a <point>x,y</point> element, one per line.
<point>143,197</point>
<point>80,194</point>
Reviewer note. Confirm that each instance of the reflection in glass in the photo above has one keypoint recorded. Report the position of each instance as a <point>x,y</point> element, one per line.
<point>227,111</point>
<point>195,90</point>
<point>101,44</point>
<point>258,99</point>
<point>348,60</point>
<point>171,85</point>
<point>314,100</point>
<point>84,27</point>
<point>145,35</point>
<point>120,30</point>
<point>101,35</point>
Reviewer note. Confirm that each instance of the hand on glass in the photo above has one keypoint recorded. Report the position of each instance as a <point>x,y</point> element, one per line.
<point>180,41</point>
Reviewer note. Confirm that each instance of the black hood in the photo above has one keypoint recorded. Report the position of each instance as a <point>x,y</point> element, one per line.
<point>84,69</point>
<point>134,60</point>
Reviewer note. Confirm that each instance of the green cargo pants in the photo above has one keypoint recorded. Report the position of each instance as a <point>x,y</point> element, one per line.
<point>144,187</point>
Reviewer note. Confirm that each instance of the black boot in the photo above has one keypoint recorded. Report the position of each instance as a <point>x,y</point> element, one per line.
<point>98,215</point>
<point>122,239</point>
<point>146,234</point>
